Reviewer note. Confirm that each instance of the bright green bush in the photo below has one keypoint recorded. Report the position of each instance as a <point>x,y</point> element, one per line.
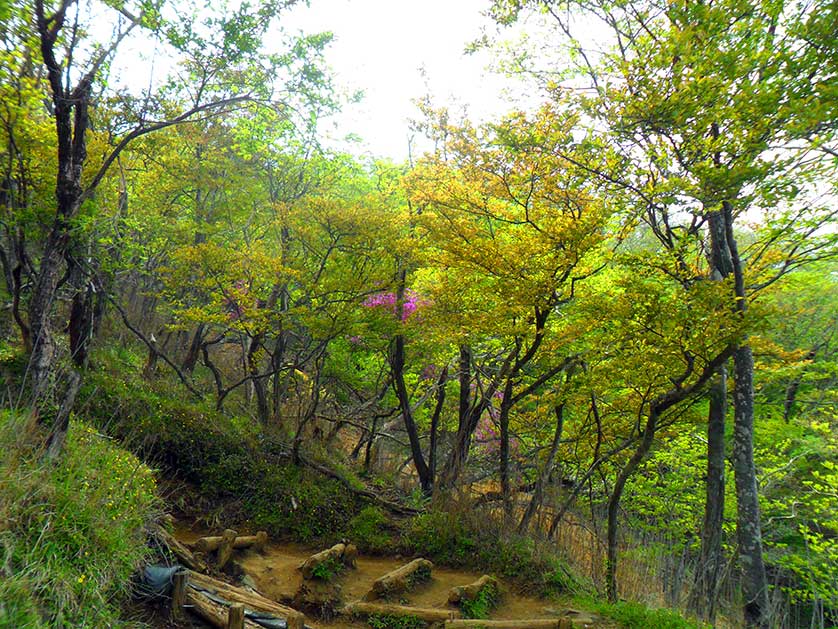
<point>72,532</point>
<point>371,531</point>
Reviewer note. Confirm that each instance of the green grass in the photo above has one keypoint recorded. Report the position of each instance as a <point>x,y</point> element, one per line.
<point>327,570</point>
<point>386,621</point>
<point>638,616</point>
<point>71,533</point>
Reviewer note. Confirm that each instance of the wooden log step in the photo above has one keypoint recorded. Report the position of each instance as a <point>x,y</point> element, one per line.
<point>428,614</point>
<point>472,590</point>
<point>255,602</point>
<point>215,613</point>
<point>401,579</point>
<point>180,551</point>
<point>211,543</point>
<point>333,554</point>
<point>225,550</point>
<point>538,623</point>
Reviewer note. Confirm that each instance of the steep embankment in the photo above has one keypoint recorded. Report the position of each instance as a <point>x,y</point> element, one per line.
<point>72,533</point>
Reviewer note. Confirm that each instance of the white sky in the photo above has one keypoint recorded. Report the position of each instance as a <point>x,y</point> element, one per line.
<point>381,46</point>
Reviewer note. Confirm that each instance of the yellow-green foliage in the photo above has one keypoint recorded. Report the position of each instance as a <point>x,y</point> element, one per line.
<point>71,533</point>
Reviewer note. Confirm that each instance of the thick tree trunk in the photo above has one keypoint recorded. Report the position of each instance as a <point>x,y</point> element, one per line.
<point>42,359</point>
<point>748,525</point>
<point>708,572</point>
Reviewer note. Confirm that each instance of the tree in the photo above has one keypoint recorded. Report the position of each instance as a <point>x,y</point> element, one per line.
<point>514,227</point>
<point>230,47</point>
<point>696,133</point>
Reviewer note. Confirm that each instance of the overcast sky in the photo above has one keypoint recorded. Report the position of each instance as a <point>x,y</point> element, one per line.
<point>381,46</point>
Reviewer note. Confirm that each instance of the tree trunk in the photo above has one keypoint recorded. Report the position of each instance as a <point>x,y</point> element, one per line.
<point>748,526</point>
<point>538,492</point>
<point>397,367</point>
<point>262,407</point>
<point>708,572</point>
<point>704,597</point>
<point>505,407</point>
<point>191,358</point>
<point>440,403</point>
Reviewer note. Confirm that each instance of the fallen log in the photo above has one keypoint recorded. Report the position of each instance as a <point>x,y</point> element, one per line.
<point>332,555</point>
<point>472,590</point>
<point>401,579</point>
<point>428,614</point>
<point>211,543</point>
<point>180,551</point>
<point>546,623</point>
<point>255,602</point>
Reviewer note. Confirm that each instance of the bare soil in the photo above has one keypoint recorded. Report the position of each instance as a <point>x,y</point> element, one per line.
<point>274,573</point>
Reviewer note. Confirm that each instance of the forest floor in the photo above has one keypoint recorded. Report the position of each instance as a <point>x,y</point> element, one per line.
<point>275,575</point>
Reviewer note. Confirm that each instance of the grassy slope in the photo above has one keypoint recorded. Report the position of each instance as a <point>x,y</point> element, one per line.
<point>71,533</point>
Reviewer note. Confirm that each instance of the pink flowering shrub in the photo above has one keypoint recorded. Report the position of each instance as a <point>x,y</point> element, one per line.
<point>389,301</point>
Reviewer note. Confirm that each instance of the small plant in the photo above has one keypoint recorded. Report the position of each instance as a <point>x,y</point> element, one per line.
<point>327,570</point>
<point>369,531</point>
<point>421,575</point>
<point>481,605</point>
<point>386,621</point>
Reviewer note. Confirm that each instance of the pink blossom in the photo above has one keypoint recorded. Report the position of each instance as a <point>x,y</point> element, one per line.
<point>389,301</point>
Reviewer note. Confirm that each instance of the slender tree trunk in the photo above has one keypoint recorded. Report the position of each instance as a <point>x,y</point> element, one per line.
<point>748,525</point>
<point>440,402</point>
<point>704,598</point>
<point>614,503</point>
<point>262,407</point>
<point>677,394</point>
<point>397,367</point>
<point>538,491</point>
<point>749,529</point>
<point>191,358</point>
<point>505,407</point>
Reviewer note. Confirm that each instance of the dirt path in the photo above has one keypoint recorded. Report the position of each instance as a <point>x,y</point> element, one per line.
<point>275,575</point>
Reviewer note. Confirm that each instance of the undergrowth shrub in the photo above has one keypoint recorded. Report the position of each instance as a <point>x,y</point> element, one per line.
<point>371,531</point>
<point>457,539</point>
<point>224,458</point>
<point>638,616</point>
<point>72,532</point>
<point>481,605</point>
